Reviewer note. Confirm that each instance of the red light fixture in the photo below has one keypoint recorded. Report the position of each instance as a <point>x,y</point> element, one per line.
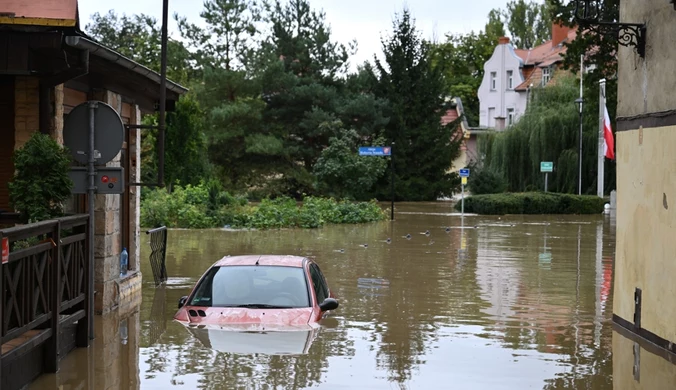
<point>104,179</point>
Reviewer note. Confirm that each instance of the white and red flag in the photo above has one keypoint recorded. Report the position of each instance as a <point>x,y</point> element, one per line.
<point>608,139</point>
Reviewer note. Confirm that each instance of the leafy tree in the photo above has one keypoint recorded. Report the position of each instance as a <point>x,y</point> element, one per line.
<point>416,90</point>
<point>599,51</point>
<point>139,38</point>
<point>529,23</point>
<point>341,173</point>
<point>301,90</point>
<point>226,41</point>
<point>185,159</point>
<point>548,131</point>
<point>41,183</point>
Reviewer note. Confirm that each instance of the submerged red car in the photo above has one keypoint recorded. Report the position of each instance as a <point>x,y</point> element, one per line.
<point>272,291</point>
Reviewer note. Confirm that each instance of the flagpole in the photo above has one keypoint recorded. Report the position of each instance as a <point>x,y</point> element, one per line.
<point>601,154</point>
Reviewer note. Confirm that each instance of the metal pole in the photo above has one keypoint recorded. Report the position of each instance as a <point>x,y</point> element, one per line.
<point>462,201</point>
<point>91,172</point>
<point>546,174</point>
<point>579,157</point>
<point>602,111</point>
<point>392,182</point>
<point>163,93</point>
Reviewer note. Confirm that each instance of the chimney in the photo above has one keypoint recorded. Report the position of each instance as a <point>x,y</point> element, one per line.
<point>503,40</point>
<point>559,34</point>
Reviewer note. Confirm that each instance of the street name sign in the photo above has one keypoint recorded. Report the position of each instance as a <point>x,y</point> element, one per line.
<point>375,151</point>
<point>546,166</point>
<point>464,173</point>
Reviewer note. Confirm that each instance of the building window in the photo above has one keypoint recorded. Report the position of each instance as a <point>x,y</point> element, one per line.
<point>493,81</point>
<point>546,75</point>
<point>510,116</point>
<point>510,80</point>
<point>491,117</point>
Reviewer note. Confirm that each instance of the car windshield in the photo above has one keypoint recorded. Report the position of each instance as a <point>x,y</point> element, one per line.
<point>253,286</point>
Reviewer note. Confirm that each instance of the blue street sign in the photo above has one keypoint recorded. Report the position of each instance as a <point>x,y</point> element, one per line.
<point>375,151</point>
<point>464,173</point>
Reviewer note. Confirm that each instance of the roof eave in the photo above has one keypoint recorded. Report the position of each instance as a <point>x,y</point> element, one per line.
<point>113,56</point>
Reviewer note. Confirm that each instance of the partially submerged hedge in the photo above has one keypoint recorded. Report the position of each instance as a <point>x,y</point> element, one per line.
<point>532,203</point>
<point>206,206</point>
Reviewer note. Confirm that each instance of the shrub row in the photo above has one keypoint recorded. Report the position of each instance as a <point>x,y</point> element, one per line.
<point>204,206</point>
<point>532,203</point>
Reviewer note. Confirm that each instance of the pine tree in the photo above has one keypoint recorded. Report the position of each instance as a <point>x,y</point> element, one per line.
<point>424,149</point>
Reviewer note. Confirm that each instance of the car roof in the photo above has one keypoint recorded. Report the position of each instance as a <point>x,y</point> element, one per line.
<point>280,260</point>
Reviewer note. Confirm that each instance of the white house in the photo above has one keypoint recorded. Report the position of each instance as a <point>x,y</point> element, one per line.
<point>510,74</point>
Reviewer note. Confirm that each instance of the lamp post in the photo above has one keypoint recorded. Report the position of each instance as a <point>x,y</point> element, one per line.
<point>579,102</point>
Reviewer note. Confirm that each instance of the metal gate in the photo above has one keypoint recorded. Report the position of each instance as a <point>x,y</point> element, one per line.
<point>158,254</point>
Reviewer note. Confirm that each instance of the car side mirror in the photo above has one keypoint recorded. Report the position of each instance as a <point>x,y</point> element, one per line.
<point>181,301</point>
<point>329,304</point>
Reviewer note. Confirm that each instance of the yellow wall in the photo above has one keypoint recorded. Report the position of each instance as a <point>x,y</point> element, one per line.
<point>646,228</point>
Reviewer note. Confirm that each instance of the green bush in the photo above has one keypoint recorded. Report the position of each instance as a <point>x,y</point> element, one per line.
<point>532,203</point>
<point>206,206</point>
<point>486,181</point>
<point>41,183</point>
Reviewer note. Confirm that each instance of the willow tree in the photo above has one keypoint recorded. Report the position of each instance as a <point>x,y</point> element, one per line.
<point>548,131</point>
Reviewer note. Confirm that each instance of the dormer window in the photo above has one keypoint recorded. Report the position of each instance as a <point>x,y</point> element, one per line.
<point>546,75</point>
<point>494,77</point>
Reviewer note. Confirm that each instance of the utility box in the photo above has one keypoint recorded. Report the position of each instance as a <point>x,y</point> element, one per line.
<point>109,180</point>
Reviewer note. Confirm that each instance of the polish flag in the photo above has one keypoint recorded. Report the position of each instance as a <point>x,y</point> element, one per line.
<point>608,140</point>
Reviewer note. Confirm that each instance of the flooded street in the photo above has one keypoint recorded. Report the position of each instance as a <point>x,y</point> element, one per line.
<point>516,302</point>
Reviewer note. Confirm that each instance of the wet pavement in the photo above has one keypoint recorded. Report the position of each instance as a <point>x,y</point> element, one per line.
<point>512,302</point>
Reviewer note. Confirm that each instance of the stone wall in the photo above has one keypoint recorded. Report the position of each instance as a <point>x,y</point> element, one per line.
<point>113,290</point>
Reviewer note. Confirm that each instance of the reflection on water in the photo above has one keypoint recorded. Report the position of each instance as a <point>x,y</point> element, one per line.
<point>510,302</point>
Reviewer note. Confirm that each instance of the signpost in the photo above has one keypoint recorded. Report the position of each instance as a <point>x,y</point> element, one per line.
<point>546,167</point>
<point>382,151</point>
<point>94,133</point>
<point>464,174</point>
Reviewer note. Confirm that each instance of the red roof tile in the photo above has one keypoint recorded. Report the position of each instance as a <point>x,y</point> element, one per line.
<point>545,51</point>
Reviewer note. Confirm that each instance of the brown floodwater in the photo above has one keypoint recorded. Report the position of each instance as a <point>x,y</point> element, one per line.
<point>481,302</point>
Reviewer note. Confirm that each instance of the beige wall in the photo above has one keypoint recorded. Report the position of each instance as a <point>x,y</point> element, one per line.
<point>648,85</point>
<point>646,172</point>
<point>646,227</point>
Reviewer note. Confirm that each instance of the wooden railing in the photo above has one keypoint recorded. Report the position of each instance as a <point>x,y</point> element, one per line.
<point>43,282</point>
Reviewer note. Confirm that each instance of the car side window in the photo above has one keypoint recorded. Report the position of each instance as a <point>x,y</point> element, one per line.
<point>322,280</point>
<point>321,291</point>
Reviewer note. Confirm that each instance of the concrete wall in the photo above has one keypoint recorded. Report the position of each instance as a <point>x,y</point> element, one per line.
<point>646,171</point>
<point>503,59</point>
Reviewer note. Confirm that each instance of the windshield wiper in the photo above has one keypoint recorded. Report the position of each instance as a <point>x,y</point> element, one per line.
<point>262,306</point>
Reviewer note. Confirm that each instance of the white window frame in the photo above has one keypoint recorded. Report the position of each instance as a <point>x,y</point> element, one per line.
<point>546,75</point>
<point>510,116</point>
<point>494,82</point>
<point>510,80</point>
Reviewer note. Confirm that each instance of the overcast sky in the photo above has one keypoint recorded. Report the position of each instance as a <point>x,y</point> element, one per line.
<point>363,20</point>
